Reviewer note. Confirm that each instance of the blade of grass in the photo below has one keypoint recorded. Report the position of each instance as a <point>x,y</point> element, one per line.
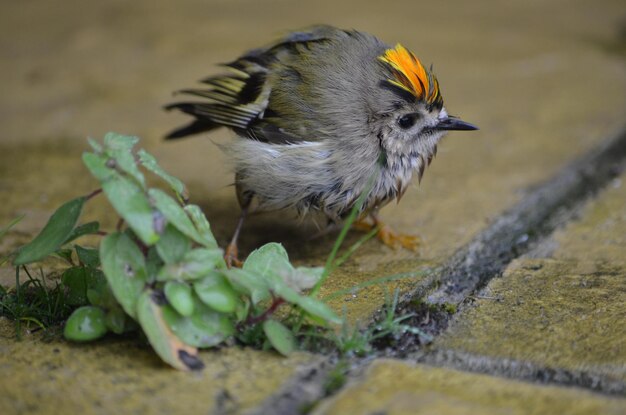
<point>355,246</point>
<point>4,231</point>
<point>10,225</point>
<point>18,305</point>
<point>354,212</point>
<point>33,320</point>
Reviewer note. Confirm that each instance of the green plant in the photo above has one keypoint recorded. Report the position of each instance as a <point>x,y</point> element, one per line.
<point>34,304</point>
<point>355,341</point>
<point>162,270</point>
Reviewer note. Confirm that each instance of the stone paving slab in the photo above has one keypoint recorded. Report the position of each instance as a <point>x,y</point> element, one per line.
<point>600,235</point>
<point>564,312</point>
<point>550,313</point>
<point>393,387</point>
<point>124,376</point>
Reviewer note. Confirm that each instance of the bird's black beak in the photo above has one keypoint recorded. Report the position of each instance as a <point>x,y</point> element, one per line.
<point>452,123</point>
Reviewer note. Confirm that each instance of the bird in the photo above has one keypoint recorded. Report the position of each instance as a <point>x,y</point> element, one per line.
<point>322,116</point>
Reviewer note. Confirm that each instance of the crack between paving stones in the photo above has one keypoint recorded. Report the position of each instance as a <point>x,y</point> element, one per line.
<point>521,370</point>
<point>514,233</point>
<point>300,392</point>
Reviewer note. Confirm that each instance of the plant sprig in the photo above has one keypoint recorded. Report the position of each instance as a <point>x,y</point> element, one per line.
<point>162,270</point>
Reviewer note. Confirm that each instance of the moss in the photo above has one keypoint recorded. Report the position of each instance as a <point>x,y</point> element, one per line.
<point>115,374</point>
<point>449,308</point>
<point>394,387</point>
<point>560,314</point>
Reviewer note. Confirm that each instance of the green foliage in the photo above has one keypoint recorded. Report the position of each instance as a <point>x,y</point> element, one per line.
<point>164,273</point>
<point>279,336</point>
<point>58,229</point>
<point>85,324</point>
<point>34,303</point>
<point>358,342</point>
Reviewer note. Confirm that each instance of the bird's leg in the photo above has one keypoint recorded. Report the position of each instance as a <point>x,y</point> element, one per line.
<point>230,256</point>
<point>245,199</point>
<point>387,235</point>
<point>331,227</point>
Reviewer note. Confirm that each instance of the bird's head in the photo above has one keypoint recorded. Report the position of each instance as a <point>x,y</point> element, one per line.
<point>413,117</point>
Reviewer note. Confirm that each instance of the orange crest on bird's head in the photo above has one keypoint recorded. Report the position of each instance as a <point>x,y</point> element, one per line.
<point>410,76</point>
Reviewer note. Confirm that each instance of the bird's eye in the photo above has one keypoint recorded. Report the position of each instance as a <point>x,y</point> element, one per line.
<point>408,120</point>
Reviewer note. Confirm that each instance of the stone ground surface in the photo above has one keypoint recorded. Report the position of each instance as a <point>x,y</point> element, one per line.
<point>545,81</point>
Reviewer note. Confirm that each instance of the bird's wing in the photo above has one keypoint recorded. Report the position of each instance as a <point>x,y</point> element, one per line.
<point>240,99</point>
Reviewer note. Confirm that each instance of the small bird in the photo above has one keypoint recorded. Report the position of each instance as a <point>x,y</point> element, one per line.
<point>322,116</point>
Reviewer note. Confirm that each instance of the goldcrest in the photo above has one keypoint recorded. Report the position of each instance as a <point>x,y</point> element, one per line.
<point>322,116</point>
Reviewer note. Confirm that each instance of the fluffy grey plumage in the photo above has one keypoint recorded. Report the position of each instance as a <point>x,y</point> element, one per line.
<point>319,115</point>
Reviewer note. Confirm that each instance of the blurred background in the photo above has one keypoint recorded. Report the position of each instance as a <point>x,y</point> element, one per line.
<point>545,81</point>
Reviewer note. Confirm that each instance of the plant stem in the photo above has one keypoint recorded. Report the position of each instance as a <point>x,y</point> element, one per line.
<point>93,194</point>
<point>264,315</point>
<point>356,246</point>
<point>18,294</point>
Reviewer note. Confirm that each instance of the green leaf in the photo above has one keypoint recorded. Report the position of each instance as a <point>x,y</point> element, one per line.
<point>120,148</point>
<point>248,283</point>
<point>98,166</point>
<point>150,163</point>
<point>78,280</point>
<point>125,269</point>
<point>202,225</point>
<point>65,254</point>
<point>175,214</point>
<point>95,145</point>
<point>179,295</point>
<point>154,263</point>
<point>285,292</point>
<point>101,295</point>
<point>88,228</point>
<point>85,324</point>
<point>173,245</point>
<point>270,263</point>
<point>243,310</point>
<point>165,343</point>
<point>131,203</point>
<point>280,337</point>
<point>116,320</point>
<point>205,328</point>
<point>318,309</point>
<point>196,264</point>
<point>311,305</point>
<point>52,236</point>
<point>115,141</point>
<point>88,256</point>
<point>268,260</point>
<point>126,196</point>
<point>75,280</point>
<point>217,293</point>
<point>304,278</point>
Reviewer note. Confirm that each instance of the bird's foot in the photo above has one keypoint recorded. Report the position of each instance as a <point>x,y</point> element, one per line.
<point>396,240</point>
<point>230,256</point>
<point>388,236</point>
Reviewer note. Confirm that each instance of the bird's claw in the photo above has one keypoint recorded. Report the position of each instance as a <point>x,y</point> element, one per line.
<point>397,240</point>
<point>388,236</point>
